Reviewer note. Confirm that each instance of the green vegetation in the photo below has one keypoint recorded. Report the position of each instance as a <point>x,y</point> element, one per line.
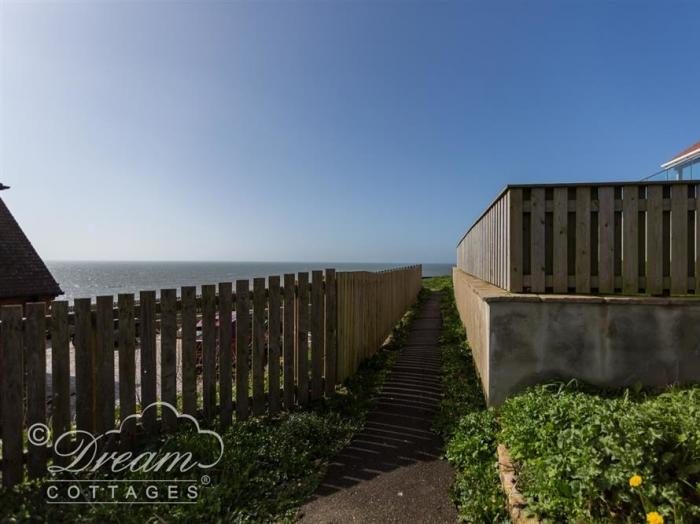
<point>577,448</point>
<point>469,429</point>
<point>270,464</point>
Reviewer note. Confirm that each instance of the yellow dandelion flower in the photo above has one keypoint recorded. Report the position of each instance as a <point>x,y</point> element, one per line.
<point>635,480</point>
<point>654,518</point>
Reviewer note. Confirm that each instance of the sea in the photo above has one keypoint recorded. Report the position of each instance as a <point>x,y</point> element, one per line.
<point>80,279</point>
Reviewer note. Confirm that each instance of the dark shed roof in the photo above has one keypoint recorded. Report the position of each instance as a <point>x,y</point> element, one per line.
<point>22,272</point>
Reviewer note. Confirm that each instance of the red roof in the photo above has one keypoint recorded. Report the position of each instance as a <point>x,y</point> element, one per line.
<point>695,148</point>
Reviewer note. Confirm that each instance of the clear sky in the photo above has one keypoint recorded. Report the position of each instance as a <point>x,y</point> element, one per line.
<point>324,131</point>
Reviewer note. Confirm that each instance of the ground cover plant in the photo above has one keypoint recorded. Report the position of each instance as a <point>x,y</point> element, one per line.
<point>596,456</point>
<point>270,466</point>
<point>584,455</point>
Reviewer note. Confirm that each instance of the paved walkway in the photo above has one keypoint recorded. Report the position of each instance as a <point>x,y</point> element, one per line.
<point>391,471</point>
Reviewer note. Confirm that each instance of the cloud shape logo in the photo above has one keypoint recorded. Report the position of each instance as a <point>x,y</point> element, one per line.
<point>84,449</point>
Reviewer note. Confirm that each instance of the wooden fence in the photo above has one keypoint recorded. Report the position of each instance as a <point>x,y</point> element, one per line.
<point>625,238</point>
<point>297,337</point>
<point>369,305</point>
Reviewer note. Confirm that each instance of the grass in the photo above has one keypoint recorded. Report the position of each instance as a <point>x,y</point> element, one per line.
<point>270,466</point>
<point>576,447</point>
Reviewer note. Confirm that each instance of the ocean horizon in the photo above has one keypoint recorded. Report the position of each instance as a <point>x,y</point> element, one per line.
<point>88,279</point>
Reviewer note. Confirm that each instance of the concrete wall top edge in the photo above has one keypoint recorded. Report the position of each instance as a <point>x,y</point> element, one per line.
<point>490,293</point>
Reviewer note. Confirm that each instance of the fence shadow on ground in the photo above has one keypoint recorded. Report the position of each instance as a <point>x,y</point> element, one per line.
<point>398,431</point>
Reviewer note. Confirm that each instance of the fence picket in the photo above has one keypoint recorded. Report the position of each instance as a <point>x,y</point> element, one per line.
<point>242,340</point>
<point>302,347</point>
<point>274,335</point>
<point>537,233</point>
<point>330,360</point>
<point>189,350</point>
<point>209,350</point>
<point>147,337</point>
<point>258,353</point>
<point>104,363</point>
<point>84,366</point>
<point>226,352</point>
<point>11,387</point>
<point>560,229</point>
<point>679,239</point>
<point>35,351</point>
<point>289,339</point>
<point>60,372</point>
<point>168,354</point>
<point>316,334</point>
<point>583,239</point>
<point>127,365</point>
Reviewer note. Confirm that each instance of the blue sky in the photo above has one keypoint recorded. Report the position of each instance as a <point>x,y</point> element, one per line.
<point>324,131</point>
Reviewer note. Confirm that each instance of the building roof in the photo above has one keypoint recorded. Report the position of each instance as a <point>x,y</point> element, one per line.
<point>22,272</point>
<point>684,155</point>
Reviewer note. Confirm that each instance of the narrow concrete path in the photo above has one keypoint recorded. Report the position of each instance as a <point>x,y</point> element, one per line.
<point>391,471</point>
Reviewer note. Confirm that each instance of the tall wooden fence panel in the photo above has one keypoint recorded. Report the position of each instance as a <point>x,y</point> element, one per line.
<point>369,305</point>
<point>627,238</point>
<point>234,350</point>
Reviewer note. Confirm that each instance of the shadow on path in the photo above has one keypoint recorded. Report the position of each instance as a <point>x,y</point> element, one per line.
<point>391,471</point>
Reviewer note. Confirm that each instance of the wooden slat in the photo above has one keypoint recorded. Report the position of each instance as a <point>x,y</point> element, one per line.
<point>147,337</point>
<point>242,340</point>
<point>11,394</point>
<point>35,351</point>
<point>274,341</point>
<point>630,221</point>
<point>60,372</point>
<point>537,264</point>
<point>168,355</point>
<point>259,305</point>
<point>189,353</point>
<point>679,239</point>
<point>209,350</point>
<point>316,334</point>
<point>127,364</point>
<point>560,240</point>
<point>655,243</point>
<point>583,239</point>
<point>104,365</point>
<point>331,341</point>
<point>606,239</point>
<point>226,353</point>
<point>84,366</point>
<point>289,339</point>
<point>302,346</point>
<point>515,224</point>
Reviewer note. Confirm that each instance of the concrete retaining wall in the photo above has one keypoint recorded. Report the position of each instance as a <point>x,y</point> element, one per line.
<point>524,339</point>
